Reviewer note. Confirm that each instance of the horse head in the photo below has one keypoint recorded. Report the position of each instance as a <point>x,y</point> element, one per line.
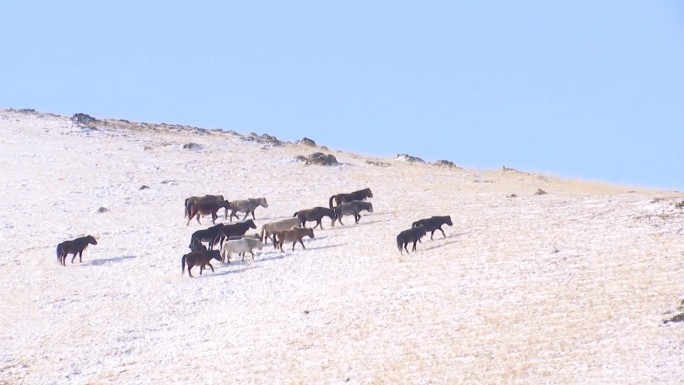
<point>91,240</point>
<point>369,194</point>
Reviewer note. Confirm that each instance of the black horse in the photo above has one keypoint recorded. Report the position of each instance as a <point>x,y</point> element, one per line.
<point>315,214</point>
<point>433,224</point>
<point>212,235</point>
<point>359,195</point>
<point>411,235</point>
<point>236,229</point>
<point>74,247</point>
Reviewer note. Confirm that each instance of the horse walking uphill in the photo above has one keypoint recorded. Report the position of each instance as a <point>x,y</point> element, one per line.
<point>74,247</point>
<point>359,195</point>
<point>201,258</point>
<point>203,199</point>
<point>352,208</point>
<point>295,235</point>
<point>246,206</point>
<point>433,224</point>
<point>315,214</point>
<point>271,228</point>
<point>411,235</point>
<point>206,209</point>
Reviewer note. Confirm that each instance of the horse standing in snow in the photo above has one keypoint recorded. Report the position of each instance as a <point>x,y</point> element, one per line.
<point>359,195</point>
<point>74,247</point>
<point>433,224</point>
<point>411,235</point>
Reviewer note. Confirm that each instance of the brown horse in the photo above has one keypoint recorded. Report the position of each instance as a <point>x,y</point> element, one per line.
<point>207,208</point>
<point>359,195</point>
<point>295,235</point>
<point>315,214</point>
<point>74,247</point>
<point>203,199</point>
<point>201,258</point>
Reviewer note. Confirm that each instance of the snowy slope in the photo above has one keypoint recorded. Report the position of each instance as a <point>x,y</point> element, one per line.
<point>567,287</point>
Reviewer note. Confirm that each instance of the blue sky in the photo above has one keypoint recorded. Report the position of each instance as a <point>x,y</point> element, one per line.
<point>579,89</point>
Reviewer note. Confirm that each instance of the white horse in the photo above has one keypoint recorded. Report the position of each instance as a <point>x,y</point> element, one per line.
<point>246,206</point>
<point>242,245</point>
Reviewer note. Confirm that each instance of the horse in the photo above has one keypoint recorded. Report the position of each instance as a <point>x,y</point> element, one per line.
<point>203,199</point>
<point>236,229</point>
<point>246,206</point>
<point>315,214</point>
<point>201,258</point>
<point>74,247</point>
<point>240,245</point>
<point>359,195</point>
<point>207,208</point>
<point>212,235</point>
<point>352,208</point>
<point>411,235</point>
<point>272,227</point>
<point>434,223</point>
<point>196,245</point>
<point>294,234</point>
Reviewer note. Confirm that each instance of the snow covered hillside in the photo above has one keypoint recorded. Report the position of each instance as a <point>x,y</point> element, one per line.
<point>568,287</point>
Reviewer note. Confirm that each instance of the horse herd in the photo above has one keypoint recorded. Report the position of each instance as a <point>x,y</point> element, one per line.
<point>231,238</point>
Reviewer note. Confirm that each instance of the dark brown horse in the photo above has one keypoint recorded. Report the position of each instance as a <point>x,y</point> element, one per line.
<point>201,258</point>
<point>74,247</point>
<point>354,196</point>
<point>434,223</point>
<point>411,235</point>
<point>233,230</point>
<point>203,199</point>
<point>315,214</point>
<point>207,208</point>
<point>295,235</point>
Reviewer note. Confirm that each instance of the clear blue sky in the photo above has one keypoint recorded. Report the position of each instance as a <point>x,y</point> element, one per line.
<point>588,89</point>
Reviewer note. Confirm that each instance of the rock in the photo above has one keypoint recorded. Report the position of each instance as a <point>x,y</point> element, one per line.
<point>540,192</point>
<point>446,163</point>
<point>301,158</point>
<point>144,187</point>
<point>83,119</point>
<point>408,158</point>
<point>102,210</point>
<point>192,146</point>
<point>321,159</point>
<point>307,142</point>
<point>378,163</point>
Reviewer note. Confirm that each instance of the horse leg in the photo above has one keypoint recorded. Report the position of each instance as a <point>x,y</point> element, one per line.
<point>190,268</point>
<point>247,213</point>
<point>212,267</point>
<point>201,268</point>
<point>405,248</point>
<point>440,229</point>
<point>74,257</point>
<point>414,245</point>
<point>357,217</point>
<point>253,217</point>
<point>300,241</point>
<point>80,255</point>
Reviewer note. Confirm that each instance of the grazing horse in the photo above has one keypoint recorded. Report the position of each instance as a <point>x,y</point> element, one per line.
<point>204,199</point>
<point>74,247</point>
<point>352,208</point>
<point>295,235</point>
<point>272,227</point>
<point>212,235</point>
<point>201,258</point>
<point>359,195</point>
<point>411,235</point>
<point>434,223</point>
<point>233,230</point>
<point>206,209</point>
<point>315,214</point>
<point>246,206</point>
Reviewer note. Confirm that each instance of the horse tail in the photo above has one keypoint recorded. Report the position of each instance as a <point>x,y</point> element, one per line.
<point>59,251</point>
<point>183,265</point>
<point>399,243</point>
<point>187,209</point>
<point>295,214</point>
<point>330,202</point>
